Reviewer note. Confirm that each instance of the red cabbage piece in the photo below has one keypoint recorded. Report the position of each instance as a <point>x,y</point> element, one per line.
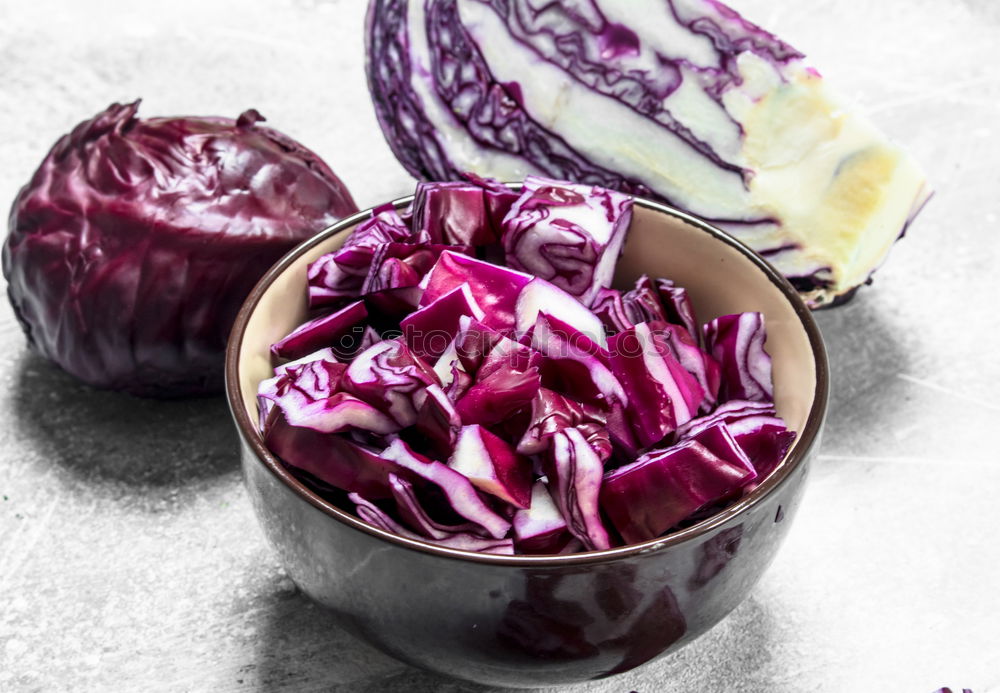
<point>437,421</point>
<point>492,466</point>
<point>495,288</point>
<point>719,440</point>
<point>463,541</point>
<point>552,412</point>
<point>431,329</point>
<point>311,396</point>
<point>461,213</point>
<point>678,307</point>
<point>574,363</point>
<point>401,265</point>
<point>609,308</point>
<point>332,459</point>
<point>727,412</point>
<point>764,439</point>
<point>412,512</point>
<point>498,396</point>
<point>696,107</point>
<point>390,377</point>
<point>737,343</point>
<point>134,244</point>
<point>340,275</point>
<point>685,350</point>
<point>574,471</point>
<point>342,330</point>
<point>570,235</point>
<point>540,528</point>
<point>387,307</point>
<point>661,394</point>
<point>646,498</point>
<point>460,493</point>
<point>540,296</point>
<point>647,301</point>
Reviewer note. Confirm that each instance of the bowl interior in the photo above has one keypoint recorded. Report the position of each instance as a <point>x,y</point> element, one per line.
<point>720,276</point>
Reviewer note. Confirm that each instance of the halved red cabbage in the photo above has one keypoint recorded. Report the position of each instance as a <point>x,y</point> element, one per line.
<point>430,330</point>
<point>460,493</point>
<point>574,471</point>
<point>540,528</point>
<point>568,234</point>
<point>339,275</point>
<point>496,288</point>
<point>737,343</point>
<point>342,330</point>
<point>649,496</point>
<point>464,541</point>
<point>461,213</point>
<point>492,466</point>
<point>390,377</point>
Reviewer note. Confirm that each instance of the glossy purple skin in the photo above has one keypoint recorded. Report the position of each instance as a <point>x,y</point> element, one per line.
<point>136,240</point>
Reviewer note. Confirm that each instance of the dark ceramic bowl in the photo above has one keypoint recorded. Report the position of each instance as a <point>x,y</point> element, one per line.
<point>537,620</point>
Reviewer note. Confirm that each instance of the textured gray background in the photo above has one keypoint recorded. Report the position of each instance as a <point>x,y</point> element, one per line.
<point>129,557</point>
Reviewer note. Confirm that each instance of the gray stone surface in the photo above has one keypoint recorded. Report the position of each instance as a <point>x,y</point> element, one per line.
<point>129,557</point>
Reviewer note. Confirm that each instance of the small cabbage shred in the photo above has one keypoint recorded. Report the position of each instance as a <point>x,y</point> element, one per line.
<point>469,377</point>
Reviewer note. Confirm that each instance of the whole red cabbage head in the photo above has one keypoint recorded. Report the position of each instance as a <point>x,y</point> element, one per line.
<point>134,244</point>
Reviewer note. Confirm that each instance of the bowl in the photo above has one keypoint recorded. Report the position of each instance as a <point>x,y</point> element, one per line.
<point>525,621</point>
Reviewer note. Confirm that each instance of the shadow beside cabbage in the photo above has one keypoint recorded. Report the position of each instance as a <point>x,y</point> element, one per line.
<point>108,436</point>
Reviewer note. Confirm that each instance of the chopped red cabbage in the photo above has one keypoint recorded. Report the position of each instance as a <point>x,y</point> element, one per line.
<point>342,330</point>
<point>492,466</point>
<point>532,428</point>
<point>570,235</point>
<point>648,497</point>
<point>737,343</point>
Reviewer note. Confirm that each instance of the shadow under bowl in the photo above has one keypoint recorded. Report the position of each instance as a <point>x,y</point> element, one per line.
<point>527,621</point>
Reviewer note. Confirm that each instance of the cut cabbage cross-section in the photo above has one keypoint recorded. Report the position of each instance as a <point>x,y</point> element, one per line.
<point>698,107</point>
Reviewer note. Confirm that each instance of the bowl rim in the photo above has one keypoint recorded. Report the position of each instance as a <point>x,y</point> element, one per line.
<point>794,458</point>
